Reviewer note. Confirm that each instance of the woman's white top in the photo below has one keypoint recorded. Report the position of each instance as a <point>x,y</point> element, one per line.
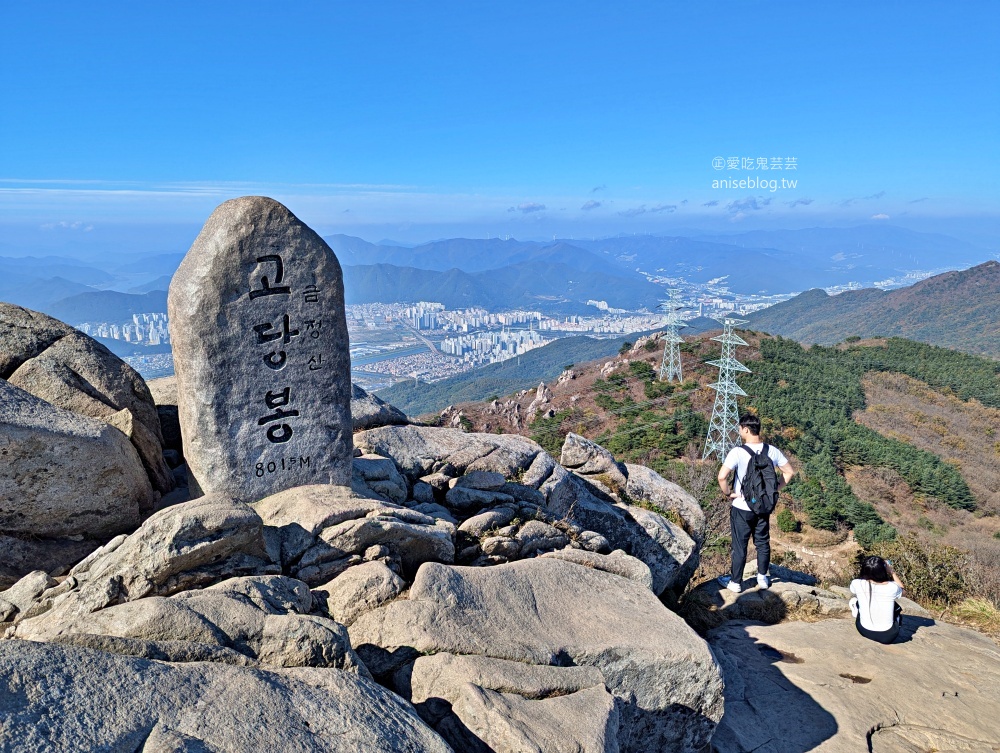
<point>876,612</point>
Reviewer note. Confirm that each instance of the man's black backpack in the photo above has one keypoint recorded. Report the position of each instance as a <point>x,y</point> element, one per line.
<point>760,485</point>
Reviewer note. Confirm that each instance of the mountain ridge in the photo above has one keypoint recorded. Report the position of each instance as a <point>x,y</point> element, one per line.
<point>959,310</point>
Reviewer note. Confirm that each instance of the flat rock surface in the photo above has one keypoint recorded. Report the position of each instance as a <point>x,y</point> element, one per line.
<point>581,722</point>
<point>61,698</point>
<point>259,298</point>
<point>820,686</point>
<point>551,612</point>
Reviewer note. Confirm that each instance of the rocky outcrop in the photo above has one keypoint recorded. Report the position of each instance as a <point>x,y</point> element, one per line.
<point>69,698</point>
<point>378,477</point>
<point>369,411</point>
<point>483,704</point>
<point>187,546</point>
<point>317,532</point>
<point>616,562</point>
<point>64,474</point>
<point>25,553</point>
<point>587,458</point>
<point>72,371</point>
<point>511,478</point>
<point>359,589</point>
<point>548,612</point>
<point>25,334</point>
<point>645,484</point>
<point>543,396</point>
<point>418,451</point>
<point>250,621</point>
<point>512,599</point>
<point>667,550</point>
<point>585,721</point>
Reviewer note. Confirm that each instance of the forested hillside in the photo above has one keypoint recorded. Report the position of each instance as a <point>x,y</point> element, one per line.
<point>541,364</point>
<point>807,397</point>
<point>957,310</point>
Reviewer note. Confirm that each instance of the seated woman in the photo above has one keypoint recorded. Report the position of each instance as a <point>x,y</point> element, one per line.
<point>878,616</point>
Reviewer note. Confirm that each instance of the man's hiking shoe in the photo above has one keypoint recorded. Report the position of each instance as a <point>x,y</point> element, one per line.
<point>729,583</point>
<point>763,581</point>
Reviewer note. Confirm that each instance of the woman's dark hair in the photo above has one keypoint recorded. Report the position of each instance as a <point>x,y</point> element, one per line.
<point>874,569</point>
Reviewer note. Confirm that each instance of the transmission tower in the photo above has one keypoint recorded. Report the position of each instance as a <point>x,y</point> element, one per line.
<point>670,367</point>
<point>723,428</point>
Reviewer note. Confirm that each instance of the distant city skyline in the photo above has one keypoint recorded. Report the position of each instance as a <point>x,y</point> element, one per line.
<point>123,129</point>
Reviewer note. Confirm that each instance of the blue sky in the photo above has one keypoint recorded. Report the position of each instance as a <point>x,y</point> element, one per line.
<point>416,120</point>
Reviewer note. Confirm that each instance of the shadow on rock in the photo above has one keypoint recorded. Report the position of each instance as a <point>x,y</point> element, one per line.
<point>708,606</point>
<point>763,709</point>
<point>911,624</point>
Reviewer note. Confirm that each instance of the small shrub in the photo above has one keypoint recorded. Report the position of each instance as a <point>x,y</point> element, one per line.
<point>852,339</point>
<point>568,366</point>
<point>548,432</point>
<point>982,613</point>
<point>871,532</point>
<point>786,558</point>
<point>787,521</point>
<point>650,346</point>
<point>656,389</point>
<point>642,370</point>
<point>625,348</point>
<point>605,401</point>
<point>931,573</point>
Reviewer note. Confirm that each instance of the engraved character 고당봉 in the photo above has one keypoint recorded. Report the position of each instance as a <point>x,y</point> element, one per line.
<point>285,334</point>
<point>313,327</point>
<point>269,287</point>
<point>275,400</point>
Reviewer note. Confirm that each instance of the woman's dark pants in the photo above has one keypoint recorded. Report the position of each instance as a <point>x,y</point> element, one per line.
<point>883,636</point>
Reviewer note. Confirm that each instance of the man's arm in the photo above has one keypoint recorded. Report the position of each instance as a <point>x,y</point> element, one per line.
<point>724,482</point>
<point>786,474</point>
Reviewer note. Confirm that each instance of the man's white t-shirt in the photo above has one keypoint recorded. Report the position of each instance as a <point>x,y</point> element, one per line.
<point>875,603</point>
<point>738,459</point>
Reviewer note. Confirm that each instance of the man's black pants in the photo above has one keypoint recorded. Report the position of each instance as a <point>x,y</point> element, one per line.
<point>742,523</point>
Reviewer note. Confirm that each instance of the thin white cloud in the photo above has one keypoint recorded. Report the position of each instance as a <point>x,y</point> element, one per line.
<point>527,207</point>
<point>854,200</point>
<point>752,203</point>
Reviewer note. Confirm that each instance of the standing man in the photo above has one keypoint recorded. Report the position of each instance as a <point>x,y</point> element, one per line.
<point>742,520</point>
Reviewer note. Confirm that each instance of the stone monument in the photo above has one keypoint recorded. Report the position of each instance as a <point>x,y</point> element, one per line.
<point>261,354</point>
